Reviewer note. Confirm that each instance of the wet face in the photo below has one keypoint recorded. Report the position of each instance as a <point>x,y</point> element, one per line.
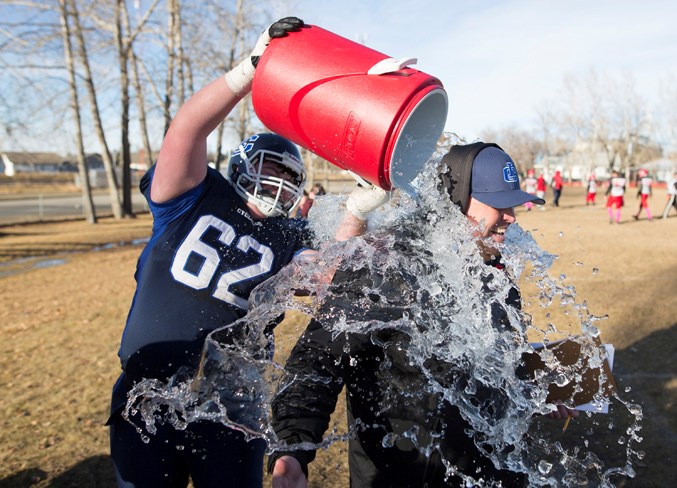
<point>272,169</point>
<point>490,223</point>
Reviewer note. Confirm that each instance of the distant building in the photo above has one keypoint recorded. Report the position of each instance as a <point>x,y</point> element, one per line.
<point>140,162</point>
<point>94,162</point>
<point>12,163</point>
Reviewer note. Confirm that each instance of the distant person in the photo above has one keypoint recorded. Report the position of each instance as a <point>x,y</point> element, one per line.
<point>591,191</point>
<point>557,187</point>
<point>615,192</point>
<point>672,196</point>
<point>214,239</point>
<point>304,205</point>
<point>309,199</point>
<point>530,183</point>
<point>540,188</point>
<point>644,192</point>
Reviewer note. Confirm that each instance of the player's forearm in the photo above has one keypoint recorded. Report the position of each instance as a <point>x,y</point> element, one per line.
<point>205,110</point>
<point>350,226</point>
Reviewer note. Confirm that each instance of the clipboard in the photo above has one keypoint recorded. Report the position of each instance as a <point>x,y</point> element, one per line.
<point>581,392</point>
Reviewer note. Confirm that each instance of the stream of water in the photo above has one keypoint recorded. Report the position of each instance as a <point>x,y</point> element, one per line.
<point>453,312</point>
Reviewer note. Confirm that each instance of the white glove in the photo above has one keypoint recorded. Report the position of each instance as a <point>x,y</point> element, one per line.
<point>365,199</point>
<point>240,78</point>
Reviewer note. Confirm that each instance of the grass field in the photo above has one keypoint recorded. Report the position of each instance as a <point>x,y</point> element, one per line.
<point>65,288</point>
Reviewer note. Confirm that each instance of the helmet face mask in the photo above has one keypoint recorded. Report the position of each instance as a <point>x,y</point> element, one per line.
<point>266,170</point>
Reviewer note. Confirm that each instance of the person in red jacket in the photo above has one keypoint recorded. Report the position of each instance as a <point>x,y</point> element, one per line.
<point>615,192</point>
<point>309,198</point>
<point>530,183</point>
<point>592,190</point>
<point>540,188</point>
<point>557,188</point>
<point>643,192</point>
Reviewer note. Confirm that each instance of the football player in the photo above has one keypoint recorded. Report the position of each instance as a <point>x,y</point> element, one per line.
<point>214,239</point>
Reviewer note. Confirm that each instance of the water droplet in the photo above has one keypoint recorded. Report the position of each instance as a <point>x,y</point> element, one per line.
<point>389,440</point>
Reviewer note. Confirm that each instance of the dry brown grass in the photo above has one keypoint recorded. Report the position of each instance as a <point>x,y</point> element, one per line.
<point>38,183</point>
<point>61,327</point>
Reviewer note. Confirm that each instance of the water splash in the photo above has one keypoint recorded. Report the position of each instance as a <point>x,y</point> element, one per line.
<point>452,312</point>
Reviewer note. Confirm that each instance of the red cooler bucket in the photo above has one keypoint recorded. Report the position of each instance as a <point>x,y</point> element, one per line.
<point>351,105</point>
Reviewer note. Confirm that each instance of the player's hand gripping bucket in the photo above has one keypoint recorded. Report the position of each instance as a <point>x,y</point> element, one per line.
<point>350,105</point>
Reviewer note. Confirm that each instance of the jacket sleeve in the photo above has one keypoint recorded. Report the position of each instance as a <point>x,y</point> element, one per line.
<point>303,406</point>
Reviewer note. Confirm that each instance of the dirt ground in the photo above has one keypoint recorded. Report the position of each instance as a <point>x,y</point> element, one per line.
<point>65,288</point>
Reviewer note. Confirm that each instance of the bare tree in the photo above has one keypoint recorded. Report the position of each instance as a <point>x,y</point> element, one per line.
<point>234,36</point>
<point>99,34</point>
<point>522,146</point>
<point>140,105</point>
<point>178,43</point>
<point>605,116</point>
<point>124,39</point>
<point>140,98</point>
<point>123,58</point>
<point>88,203</point>
<point>547,121</point>
<point>633,119</point>
<point>172,20</point>
<point>95,113</point>
<point>33,80</point>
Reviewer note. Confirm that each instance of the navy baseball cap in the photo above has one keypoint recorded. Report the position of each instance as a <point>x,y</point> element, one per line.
<point>495,181</point>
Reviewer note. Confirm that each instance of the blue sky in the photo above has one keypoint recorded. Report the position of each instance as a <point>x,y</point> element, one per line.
<point>499,60</point>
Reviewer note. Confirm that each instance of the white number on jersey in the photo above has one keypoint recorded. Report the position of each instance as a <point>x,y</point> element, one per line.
<point>201,280</point>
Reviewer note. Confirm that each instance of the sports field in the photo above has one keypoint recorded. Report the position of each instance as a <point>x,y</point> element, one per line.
<point>61,318</point>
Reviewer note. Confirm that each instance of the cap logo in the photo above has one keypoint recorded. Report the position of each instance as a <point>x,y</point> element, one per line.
<point>510,172</point>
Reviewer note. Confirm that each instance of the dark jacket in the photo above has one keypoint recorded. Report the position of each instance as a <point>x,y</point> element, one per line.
<point>403,431</point>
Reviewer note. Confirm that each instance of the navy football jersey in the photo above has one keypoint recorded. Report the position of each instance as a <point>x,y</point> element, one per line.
<point>205,256</point>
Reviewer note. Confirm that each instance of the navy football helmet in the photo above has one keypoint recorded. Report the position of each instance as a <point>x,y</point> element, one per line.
<point>272,195</point>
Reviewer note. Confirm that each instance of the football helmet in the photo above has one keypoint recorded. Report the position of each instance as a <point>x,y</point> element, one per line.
<point>274,196</point>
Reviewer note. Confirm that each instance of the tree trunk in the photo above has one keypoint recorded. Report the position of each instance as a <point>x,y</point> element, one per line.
<point>171,55</point>
<point>235,35</point>
<point>178,43</point>
<point>96,117</point>
<point>141,105</point>
<point>140,100</point>
<point>123,50</point>
<point>242,123</point>
<point>219,145</point>
<point>189,75</point>
<point>87,202</point>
